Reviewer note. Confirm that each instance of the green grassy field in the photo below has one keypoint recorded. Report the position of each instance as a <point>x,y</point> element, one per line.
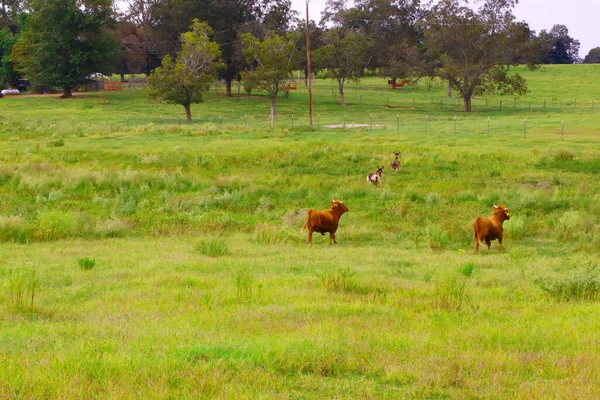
<point>165,258</point>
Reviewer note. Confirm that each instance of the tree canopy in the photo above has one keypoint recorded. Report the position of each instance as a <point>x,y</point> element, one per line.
<point>471,47</point>
<point>184,79</point>
<point>65,41</point>
<point>593,57</point>
<point>271,61</point>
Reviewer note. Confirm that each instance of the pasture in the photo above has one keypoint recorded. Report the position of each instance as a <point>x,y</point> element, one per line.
<point>165,259</point>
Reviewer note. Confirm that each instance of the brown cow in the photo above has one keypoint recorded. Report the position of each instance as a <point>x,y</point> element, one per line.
<point>325,221</point>
<point>488,229</point>
<point>396,163</point>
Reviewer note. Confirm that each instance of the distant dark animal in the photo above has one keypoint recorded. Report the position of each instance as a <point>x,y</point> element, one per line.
<point>375,177</point>
<point>396,163</point>
<point>488,229</point>
<point>325,221</point>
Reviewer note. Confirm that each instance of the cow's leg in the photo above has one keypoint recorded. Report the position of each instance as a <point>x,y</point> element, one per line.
<point>332,236</point>
<point>310,232</point>
<point>488,242</point>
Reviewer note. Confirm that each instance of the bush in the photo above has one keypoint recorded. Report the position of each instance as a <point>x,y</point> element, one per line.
<point>15,229</point>
<point>564,155</point>
<point>579,284</point>
<point>112,228</point>
<point>212,247</point>
<point>267,234</point>
<point>569,225</point>
<point>86,263</point>
<point>54,225</point>
<point>437,238</point>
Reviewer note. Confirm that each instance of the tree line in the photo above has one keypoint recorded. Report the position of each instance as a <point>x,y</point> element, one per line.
<point>185,44</point>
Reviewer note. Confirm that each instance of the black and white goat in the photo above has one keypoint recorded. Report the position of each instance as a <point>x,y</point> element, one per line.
<point>375,177</point>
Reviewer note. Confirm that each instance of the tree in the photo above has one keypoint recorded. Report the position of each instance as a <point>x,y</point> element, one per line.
<point>471,47</point>
<point>557,47</point>
<point>396,37</point>
<point>271,60</point>
<point>344,56</point>
<point>593,56</point>
<point>183,80</point>
<point>65,41</point>
<point>8,75</point>
<point>9,11</point>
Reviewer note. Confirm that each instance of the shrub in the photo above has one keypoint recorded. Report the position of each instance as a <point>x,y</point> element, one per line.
<point>22,284</point>
<point>112,228</point>
<point>578,284</point>
<point>437,238</point>
<point>564,155</point>
<point>243,284</point>
<point>54,225</point>
<point>86,263</point>
<point>15,228</point>
<point>267,234</point>
<point>451,295</point>
<point>569,225</point>
<point>212,247</point>
<point>339,280</point>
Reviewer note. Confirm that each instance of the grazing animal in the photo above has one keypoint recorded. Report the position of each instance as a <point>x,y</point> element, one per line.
<point>396,163</point>
<point>375,177</point>
<point>325,221</point>
<point>488,229</point>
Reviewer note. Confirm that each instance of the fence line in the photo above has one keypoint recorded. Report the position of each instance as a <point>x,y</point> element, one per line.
<point>529,128</point>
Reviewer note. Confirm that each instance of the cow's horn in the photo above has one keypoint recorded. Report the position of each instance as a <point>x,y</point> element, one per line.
<point>342,202</point>
<point>495,206</point>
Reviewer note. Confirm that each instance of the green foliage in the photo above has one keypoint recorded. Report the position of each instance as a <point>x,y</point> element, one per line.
<point>273,61</point>
<point>268,234</point>
<point>451,294</point>
<point>437,238</point>
<point>15,228</point>
<point>569,226</point>
<point>22,285</point>
<point>243,284</point>
<point>343,56</point>
<point>212,247</point>
<point>8,75</point>
<point>183,80</point>
<point>339,280</point>
<point>467,270</point>
<point>86,263</point>
<point>65,41</point>
<point>581,284</point>
<point>593,57</point>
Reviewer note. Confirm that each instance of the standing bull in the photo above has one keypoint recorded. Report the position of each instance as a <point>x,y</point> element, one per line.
<point>488,229</point>
<point>325,221</point>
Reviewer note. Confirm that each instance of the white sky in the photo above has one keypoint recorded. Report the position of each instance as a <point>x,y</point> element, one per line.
<point>582,17</point>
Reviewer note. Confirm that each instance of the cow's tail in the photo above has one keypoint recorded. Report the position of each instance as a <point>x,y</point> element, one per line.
<point>476,230</point>
<point>307,222</point>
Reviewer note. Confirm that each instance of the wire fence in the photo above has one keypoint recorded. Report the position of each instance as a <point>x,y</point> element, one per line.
<point>530,127</point>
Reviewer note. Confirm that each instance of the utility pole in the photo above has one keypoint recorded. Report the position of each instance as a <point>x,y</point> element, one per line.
<point>309,81</point>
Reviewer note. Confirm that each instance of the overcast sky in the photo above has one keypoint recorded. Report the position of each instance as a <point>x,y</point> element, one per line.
<point>582,17</point>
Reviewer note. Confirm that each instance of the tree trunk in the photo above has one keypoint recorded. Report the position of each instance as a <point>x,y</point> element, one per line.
<point>228,87</point>
<point>122,77</point>
<point>467,100</point>
<point>273,109</point>
<point>188,112</point>
<point>342,93</point>
<point>394,83</point>
<point>449,89</point>
<point>66,93</point>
